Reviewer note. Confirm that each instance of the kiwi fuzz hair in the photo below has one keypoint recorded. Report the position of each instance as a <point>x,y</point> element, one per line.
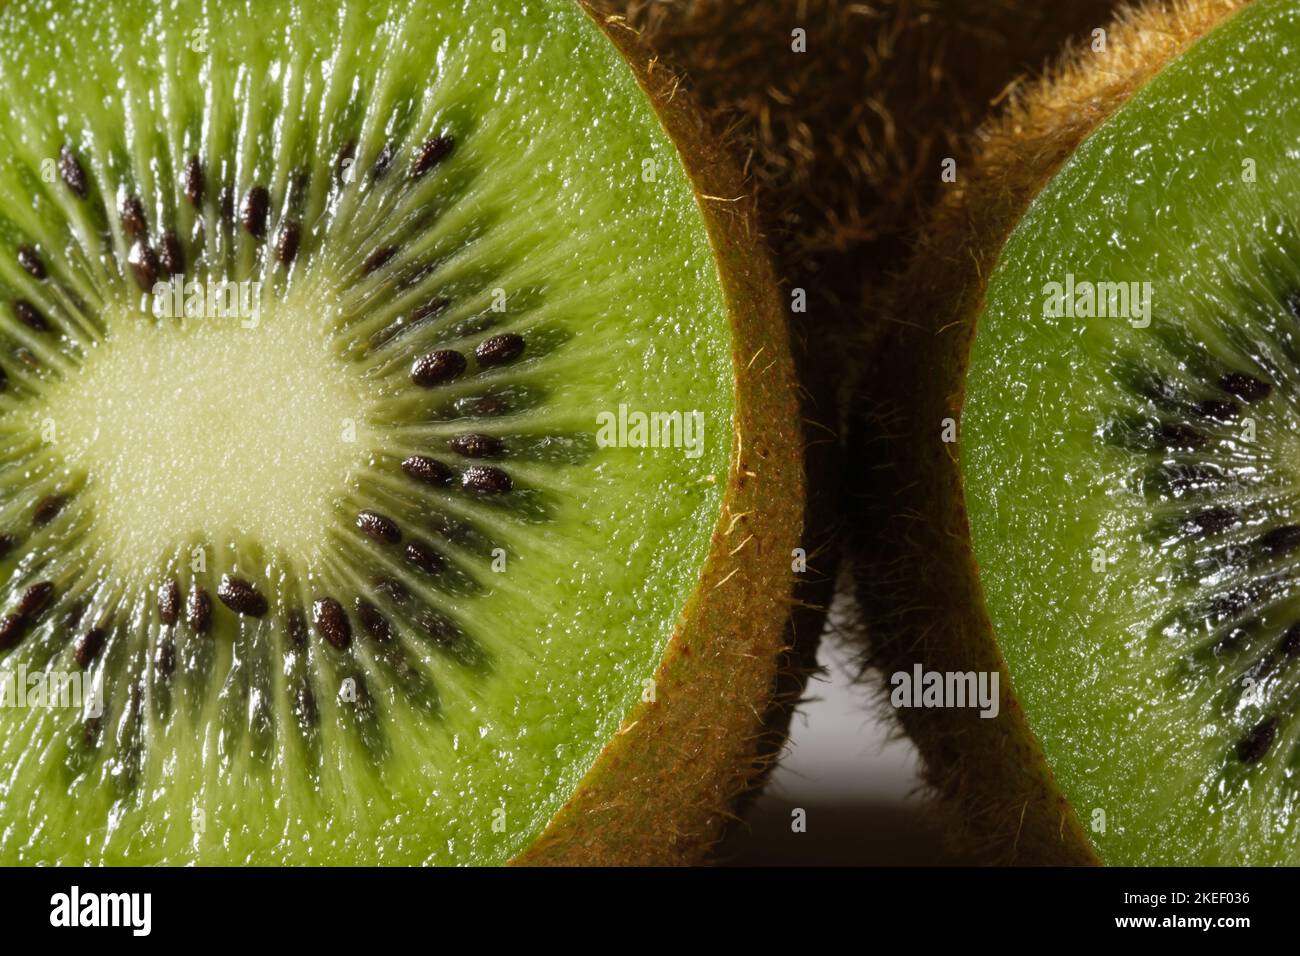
<point>664,788</point>
<point>917,580</point>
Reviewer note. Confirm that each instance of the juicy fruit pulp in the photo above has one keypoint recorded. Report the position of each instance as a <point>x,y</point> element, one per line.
<point>355,576</point>
<point>1130,475</point>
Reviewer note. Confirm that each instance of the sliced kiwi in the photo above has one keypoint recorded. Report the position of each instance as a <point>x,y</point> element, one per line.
<point>324,330</point>
<point>1112,528</point>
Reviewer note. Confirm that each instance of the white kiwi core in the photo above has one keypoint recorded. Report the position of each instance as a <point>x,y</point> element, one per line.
<point>215,428</point>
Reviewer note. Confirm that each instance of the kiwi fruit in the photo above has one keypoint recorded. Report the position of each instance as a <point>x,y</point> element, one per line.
<point>401,445</point>
<point>1076,454</point>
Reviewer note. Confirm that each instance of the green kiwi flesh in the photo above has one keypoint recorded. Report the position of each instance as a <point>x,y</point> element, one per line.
<point>1130,472</point>
<point>357,572</point>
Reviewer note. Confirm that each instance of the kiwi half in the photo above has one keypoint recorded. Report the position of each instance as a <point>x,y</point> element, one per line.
<point>1111,529</point>
<point>324,333</point>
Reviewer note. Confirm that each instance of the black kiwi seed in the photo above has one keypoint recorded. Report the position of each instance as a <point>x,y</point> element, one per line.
<point>31,262</point>
<point>499,349</point>
<point>88,647</point>
<point>437,367</point>
<point>30,316</point>
<point>12,629</point>
<point>173,257</point>
<point>431,154</point>
<point>286,246</point>
<point>131,211</point>
<point>144,264</point>
<point>477,446</point>
<point>383,161</point>
<point>198,610</point>
<point>241,596</point>
<point>169,603</point>
<point>379,527</point>
<point>254,210</point>
<point>48,508</point>
<point>1281,540</point>
<point>192,181</point>
<point>1252,747</point>
<point>7,543</point>
<point>71,171</point>
<point>428,470</point>
<point>378,259</point>
<point>1212,520</point>
<point>332,622</point>
<point>34,599</point>
<point>4,379</point>
<point>1246,387</point>
<point>486,479</point>
<point>373,620</point>
<point>424,557</point>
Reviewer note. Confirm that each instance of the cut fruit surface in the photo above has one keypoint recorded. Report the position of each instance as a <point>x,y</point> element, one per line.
<point>369,412</point>
<point>1130,460</point>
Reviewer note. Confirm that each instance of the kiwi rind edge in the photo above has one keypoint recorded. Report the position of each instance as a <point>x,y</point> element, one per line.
<point>917,579</point>
<point>663,790</point>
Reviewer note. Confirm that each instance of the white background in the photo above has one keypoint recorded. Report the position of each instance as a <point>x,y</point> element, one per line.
<point>847,767</point>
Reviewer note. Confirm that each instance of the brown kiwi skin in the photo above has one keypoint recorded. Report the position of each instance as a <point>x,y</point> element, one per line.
<point>916,577</point>
<point>664,789</point>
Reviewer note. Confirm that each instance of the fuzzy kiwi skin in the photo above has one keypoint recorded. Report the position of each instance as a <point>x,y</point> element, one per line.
<point>664,788</point>
<point>916,577</point>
